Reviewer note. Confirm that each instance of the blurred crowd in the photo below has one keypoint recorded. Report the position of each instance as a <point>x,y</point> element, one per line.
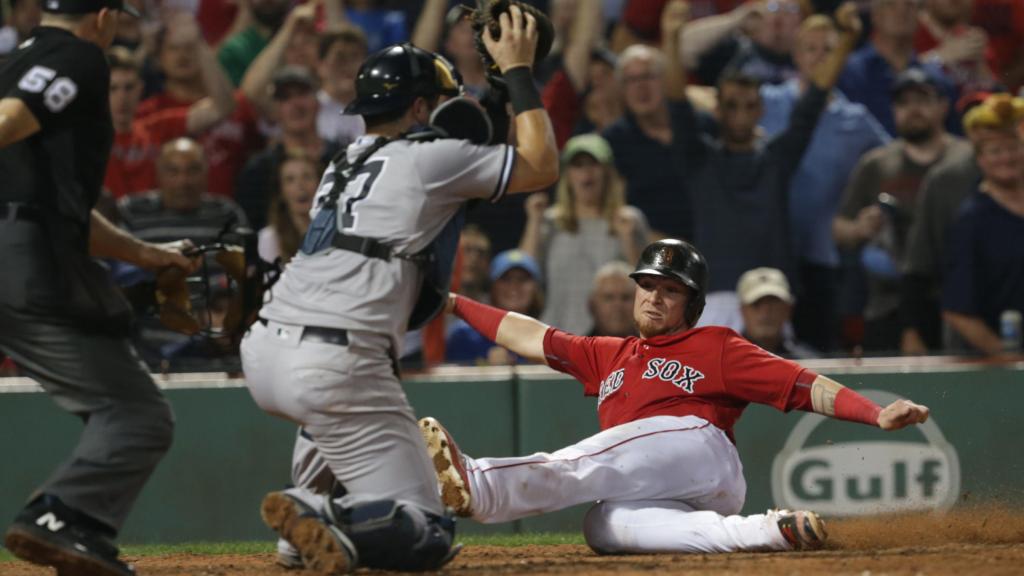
<point>854,174</point>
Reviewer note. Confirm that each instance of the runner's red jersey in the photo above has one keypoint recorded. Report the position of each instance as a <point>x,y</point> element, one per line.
<point>712,373</point>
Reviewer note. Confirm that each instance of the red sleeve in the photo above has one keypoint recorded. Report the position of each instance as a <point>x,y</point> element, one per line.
<point>644,17</point>
<point>849,405</point>
<point>923,40</point>
<point>215,18</point>
<point>584,358</point>
<point>154,104</point>
<point>244,110</point>
<point>563,105</point>
<point>166,125</point>
<point>753,375</point>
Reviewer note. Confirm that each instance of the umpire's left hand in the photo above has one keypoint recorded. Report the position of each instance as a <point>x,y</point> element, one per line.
<point>156,257</point>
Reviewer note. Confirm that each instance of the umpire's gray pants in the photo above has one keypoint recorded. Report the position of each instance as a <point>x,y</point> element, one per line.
<point>351,403</point>
<point>128,423</point>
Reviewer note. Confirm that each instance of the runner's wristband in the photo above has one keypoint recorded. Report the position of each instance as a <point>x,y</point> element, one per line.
<point>522,92</point>
<point>856,408</point>
<point>485,319</point>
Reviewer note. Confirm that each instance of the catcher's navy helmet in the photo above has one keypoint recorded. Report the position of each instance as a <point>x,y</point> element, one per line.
<point>392,79</point>
<point>680,261</point>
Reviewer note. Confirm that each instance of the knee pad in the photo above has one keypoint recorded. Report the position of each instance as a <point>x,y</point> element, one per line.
<point>393,536</point>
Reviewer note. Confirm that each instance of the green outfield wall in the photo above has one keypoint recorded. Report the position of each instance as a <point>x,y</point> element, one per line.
<point>227,453</point>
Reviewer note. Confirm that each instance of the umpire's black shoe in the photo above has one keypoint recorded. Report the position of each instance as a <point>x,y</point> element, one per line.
<point>49,533</point>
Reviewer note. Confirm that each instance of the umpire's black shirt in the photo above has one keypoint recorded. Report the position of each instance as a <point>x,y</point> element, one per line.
<point>64,81</point>
<point>59,170</point>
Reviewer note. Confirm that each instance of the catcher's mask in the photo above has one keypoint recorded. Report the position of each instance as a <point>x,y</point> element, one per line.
<point>222,299</point>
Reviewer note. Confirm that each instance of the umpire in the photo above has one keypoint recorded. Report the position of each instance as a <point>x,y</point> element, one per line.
<point>61,319</point>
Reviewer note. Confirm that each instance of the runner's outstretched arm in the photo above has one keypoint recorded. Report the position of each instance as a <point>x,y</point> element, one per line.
<point>517,332</point>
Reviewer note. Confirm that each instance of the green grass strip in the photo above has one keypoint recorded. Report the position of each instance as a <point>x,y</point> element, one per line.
<point>268,547</point>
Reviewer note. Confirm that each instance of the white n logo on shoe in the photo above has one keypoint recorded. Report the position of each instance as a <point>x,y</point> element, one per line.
<point>52,523</point>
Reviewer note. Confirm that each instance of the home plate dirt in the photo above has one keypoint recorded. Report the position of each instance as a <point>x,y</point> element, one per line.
<point>987,542</point>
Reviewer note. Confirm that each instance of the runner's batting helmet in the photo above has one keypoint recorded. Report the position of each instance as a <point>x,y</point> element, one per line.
<point>392,79</point>
<point>681,261</point>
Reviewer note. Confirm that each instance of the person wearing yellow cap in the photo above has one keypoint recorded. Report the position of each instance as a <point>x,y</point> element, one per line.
<point>766,305</point>
<point>983,290</point>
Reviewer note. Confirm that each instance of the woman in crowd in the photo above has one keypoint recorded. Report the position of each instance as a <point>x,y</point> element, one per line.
<point>291,199</point>
<point>589,225</point>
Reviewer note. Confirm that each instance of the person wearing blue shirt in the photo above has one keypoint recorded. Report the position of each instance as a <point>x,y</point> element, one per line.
<point>872,69</point>
<point>985,253</point>
<point>845,131</point>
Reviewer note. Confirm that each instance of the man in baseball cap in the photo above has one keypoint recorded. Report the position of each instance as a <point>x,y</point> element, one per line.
<point>916,78</point>
<point>290,80</point>
<point>766,304</point>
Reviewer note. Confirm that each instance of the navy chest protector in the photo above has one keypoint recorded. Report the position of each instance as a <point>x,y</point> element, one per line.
<point>435,261</point>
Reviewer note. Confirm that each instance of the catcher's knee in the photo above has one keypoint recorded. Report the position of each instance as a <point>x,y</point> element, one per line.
<point>389,535</point>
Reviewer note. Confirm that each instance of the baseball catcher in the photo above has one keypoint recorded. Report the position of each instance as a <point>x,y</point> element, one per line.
<point>322,354</point>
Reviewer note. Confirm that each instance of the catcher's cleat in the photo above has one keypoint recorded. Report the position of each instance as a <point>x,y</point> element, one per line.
<point>48,533</point>
<point>323,548</point>
<point>804,530</point>
<point>448,464</point>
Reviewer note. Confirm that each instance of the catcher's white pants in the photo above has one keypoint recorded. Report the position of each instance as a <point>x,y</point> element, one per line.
<point>352,405</point>
<point>662,484</point>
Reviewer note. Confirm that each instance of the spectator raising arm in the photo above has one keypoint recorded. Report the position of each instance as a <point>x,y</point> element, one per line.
<point>583,36</point>
<point>704,34</point>
<point>243,19</point>
<point>533,233</point>
<point>257,77</point>
<point>220,100</point>
<point>429,25</point>
<point>673,21</point>
<point>791,144</point>
<point>848,21</point>
<point>334,12</point>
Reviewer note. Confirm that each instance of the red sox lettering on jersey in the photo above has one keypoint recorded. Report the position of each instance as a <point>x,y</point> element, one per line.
<point>711,372</point>
<point>672,371</point>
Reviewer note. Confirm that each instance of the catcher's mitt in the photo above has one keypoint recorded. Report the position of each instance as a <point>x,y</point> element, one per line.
<point>174,305</point>
<point>486,17</point>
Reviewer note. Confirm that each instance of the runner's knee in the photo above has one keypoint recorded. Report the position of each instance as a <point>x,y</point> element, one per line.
<point>597,530</point>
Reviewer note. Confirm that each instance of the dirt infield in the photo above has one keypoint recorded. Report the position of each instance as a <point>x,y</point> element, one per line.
<point>975,542</point>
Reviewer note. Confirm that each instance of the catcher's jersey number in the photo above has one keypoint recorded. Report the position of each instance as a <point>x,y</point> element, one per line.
<point>369,172</point>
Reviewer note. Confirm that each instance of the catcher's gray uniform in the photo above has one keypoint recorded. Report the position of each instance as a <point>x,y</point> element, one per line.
<point>344,391</point>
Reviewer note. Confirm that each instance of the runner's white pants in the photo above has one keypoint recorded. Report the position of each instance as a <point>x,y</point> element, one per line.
<point>662,484</point>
